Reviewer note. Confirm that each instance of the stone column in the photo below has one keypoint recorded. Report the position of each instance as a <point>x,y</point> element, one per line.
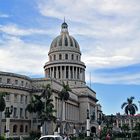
<point>52,72</point>
<point>76,72</point>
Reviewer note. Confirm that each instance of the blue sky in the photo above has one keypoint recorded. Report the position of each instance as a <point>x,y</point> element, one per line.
<point>108,33</point>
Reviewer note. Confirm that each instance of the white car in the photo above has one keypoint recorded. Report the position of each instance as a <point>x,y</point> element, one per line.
<point>51,137</point>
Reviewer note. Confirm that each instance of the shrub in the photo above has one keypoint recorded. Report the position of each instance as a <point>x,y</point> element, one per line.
<point>2,138</point>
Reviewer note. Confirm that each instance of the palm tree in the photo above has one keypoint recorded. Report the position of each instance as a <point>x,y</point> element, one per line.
<point>64,96</point>
<point>2,107</point>
<point>47,113</point>
<point>38,106</point>
<point>130,107</point>
<point>31,109</point>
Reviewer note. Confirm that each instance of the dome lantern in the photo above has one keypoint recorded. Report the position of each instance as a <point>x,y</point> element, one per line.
<point>64,27</point>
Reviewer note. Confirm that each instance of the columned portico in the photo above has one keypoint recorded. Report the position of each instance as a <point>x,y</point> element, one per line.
<point>65,63</point>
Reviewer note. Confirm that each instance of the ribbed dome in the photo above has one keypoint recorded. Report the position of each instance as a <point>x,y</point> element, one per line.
<point>64,41</point>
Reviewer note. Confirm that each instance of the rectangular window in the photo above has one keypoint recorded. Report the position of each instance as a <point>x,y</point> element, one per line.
<point>8,81</point>
<point>26,84</point>
<point>21,98</point>
<point>16,82</point>
<point>7,97</point>
<point>15,112</point>
<point>15,98</point>
<point>21,113</point>
<point>22,83</point>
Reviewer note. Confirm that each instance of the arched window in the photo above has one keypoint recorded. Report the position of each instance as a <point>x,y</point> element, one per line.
<point>66,56</point>
<point>15,128</point>
<point>21,128</point>
<point>77,57</point>
<point>60,56</point>
<point>72,57</point>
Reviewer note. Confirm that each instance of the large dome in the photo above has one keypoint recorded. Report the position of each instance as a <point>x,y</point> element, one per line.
<point>65,59</point>
<point>64,41</point>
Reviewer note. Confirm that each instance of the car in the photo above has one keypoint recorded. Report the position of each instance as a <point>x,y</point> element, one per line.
<point>51,137</point>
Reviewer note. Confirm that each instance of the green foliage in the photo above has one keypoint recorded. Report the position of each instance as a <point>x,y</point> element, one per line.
<point>2,138</point>
<point>2,101</point>
<point>64,94</point>
<point>129,106</point>
<point>10,139</point>
<point>42,105</point>
<point>35,135</point>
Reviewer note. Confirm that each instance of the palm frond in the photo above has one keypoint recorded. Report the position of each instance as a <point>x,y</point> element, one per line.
<point>123,105</point>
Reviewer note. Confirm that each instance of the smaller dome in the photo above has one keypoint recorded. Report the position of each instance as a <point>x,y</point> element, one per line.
<point>64,25</point>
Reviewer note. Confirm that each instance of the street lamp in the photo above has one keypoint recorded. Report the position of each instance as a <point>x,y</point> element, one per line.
<point>99,120</point>
<point>58,126</point>
<point>8,112</point>
<point>88,123</point>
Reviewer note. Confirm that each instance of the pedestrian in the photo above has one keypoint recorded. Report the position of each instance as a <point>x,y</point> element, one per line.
<point>107,137</point>
<point>66,137</point>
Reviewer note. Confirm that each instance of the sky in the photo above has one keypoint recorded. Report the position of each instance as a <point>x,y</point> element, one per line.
<point>108,32</point>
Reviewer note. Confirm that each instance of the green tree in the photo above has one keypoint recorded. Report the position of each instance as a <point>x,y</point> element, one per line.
<point>129,107</point>
<point>125,128</point>
<point>2,107</point>
<point>47,112</point>
<point>35,106</point>
<point>42,105</point>
<point>31,109</point>
<point>64,96</point>
<point>137,128</point>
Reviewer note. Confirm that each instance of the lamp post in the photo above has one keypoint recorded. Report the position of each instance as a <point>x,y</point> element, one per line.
<point>99,127</point>
<point>8,112</point>
<point>58,126</point>
<point>88,123</point>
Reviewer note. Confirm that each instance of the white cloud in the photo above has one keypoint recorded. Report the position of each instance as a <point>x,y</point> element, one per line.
<point>21,57</point>
<point>120,78</point>
<point>13,29</point>
<point>108,32</point>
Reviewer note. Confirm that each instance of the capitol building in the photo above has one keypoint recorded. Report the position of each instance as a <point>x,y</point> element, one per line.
<point>64,65</point>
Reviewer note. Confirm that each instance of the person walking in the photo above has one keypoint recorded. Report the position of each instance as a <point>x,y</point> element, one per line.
<point>66,137</point>
<point>107,137</point>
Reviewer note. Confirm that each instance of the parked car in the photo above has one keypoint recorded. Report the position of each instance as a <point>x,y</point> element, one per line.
<point>51,137</point>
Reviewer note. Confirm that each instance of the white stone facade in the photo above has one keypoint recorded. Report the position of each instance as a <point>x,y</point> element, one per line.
<point>64,66</point>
